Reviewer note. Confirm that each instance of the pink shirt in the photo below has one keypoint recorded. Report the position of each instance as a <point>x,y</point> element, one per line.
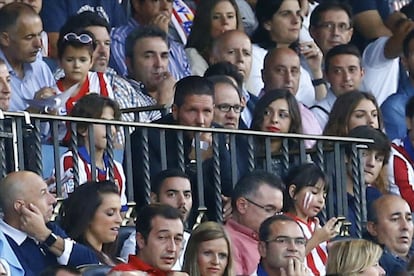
<point>310,124</point>
<point>245,243</point>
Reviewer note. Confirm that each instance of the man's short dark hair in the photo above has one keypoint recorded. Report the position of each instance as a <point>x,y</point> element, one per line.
<point>159,179</point>
<point>264,230</point>
<point>224,79</point>
<point>251,182</point>
<point>192,85</point>
<point>342,49</point>
<point>84,20</point>
<point>316,15</point>
<point>225,68</point>
<point>149,212</point>
<point>148,31</point>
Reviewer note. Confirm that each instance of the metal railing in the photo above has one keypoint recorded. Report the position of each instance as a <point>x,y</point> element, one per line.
<point>21,148</point>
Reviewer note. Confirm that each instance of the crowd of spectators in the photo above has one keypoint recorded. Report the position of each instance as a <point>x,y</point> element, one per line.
<point>335,67</point>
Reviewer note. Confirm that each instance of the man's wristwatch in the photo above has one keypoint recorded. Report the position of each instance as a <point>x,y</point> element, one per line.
<point>317,82</point>
<point>50,240</point>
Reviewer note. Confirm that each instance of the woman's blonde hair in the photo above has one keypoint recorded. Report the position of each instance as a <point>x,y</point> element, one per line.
<point>350,257</point>
<point>206,231</point>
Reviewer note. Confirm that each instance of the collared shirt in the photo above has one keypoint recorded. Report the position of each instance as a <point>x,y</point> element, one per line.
<point>391,263</point>
<point>245,243</point>
<point>246,114</point>
<point>7,254</point>
<point>19,237</point>
<point>135,263</point>
<point>141,99</point>
<point>36,76</point>
<point>323,107</point>
<point>309,124</point>
<point>177,65</point>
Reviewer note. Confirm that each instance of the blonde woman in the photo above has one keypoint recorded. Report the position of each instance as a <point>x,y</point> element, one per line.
<point>209,251</point>
<point>354,257</point>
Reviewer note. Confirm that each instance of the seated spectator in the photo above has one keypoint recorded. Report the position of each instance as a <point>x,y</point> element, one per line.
<point>256,196</point>
<point>75,51</point>
<point>353,109</point>
<point>344,73</point>
<point>55,13</point>
<point>227,102</point>
<point>30,76</point>
<point>37,243</point>
<point>393,107</point>
<point>282,70</point>
<point>276,31</point>
<point>60,270</point>
<point>98,107</point>
<point>390,225</point>
<point>145,13</point>
<point>331,25</point>
<point>304,199</point>
<point>281,247</point>
<point>209,251</point>
<point>230,70</point>
<point>193,106</point>
<point>124,93</point>
<point>374,159</point>
<point>277,111</point>
<point>146,52</point>
<point>91,215</point>
<point>235,47</point>
<point>400,169</point>
<point>352,257</point>
<point>159,240</point>
<point>171,187</point>
<point>212,18</point>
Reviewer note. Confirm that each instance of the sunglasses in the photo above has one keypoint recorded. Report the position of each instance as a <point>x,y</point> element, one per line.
<point>83,38</point>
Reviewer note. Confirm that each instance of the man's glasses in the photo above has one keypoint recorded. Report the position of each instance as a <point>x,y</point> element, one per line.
<point>267,208</point>
<point>226,108</point>
<point>284,241</point>
<point>83,38</point>
<point>342,27</point>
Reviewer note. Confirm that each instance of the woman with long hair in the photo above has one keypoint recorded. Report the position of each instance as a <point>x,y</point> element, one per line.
<point>213,17</point>
<point>91,215</point>
<point>209,251</point>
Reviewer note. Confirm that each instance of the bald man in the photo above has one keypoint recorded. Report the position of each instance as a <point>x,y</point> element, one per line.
<point>390,224</point>
<point>37,243</point>
<point>235,47</point>
<point>282,71</point>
